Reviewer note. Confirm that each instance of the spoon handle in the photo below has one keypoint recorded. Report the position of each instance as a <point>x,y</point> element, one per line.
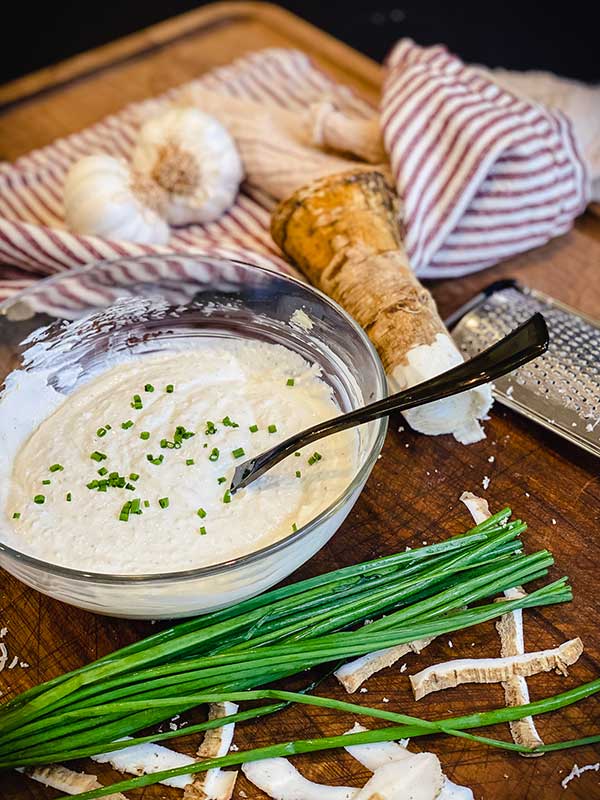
<point>518,347</point>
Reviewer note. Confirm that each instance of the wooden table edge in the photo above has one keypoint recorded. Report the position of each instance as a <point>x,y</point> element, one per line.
<point>141,42</point>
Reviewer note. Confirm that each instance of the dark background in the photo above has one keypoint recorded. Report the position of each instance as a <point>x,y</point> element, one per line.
<point>518,35</point>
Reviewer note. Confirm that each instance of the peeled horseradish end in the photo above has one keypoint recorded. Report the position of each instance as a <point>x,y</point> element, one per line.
<point>344,232</point>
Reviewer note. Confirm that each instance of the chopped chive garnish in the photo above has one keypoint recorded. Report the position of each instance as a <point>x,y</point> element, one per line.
<point>136,506</point>
<point>169,388</point>
<point>56,468</point>
<point>272,428</point>
<point>101,432</point>
<point>294,527</point>
<point>314,458</point>
<point>125,511</point>
<point>227,497</point>
<point>163,502</point>
<point>146,503</point>
<point>190,462</point>
<point>40,499</point>
<point>46,482</point>
<point>92,484</point>
<point>17,515</point>
<point>97,456</point>
<point>145,435</point>
<point>180,435</point>
<point>214,454</point>
<point>128,424</point>
<point>253,428</point>
<point>69,497</point>
<point>133,476</point>
<point>102,486</point>
<point>156,461</point>
<point>201,513</point>
<point>298,473</point>
<point>205,444</point>
<point>290,382</point>
<point>148,387</point>
<point>108,427</point>
<point>102,471</point>
<point>238,452</point>
<point>203,531</point>
<point>130,486</point>
<point>221,480</point>
<point>210,428</point>
<point>137,402</point>
<point>297,455</point>
<point>229,423</point>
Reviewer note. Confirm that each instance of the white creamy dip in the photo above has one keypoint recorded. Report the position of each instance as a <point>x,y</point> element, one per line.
<point>187,520</point>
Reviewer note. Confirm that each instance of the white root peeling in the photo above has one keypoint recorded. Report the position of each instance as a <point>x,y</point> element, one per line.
<point>577,772</point>
<point>418,777</point>
<point>373,756</point>
<point>66,780</point>
<point>494,670</point>
<point>478,507</point>
<point>143,759</point>
<point>376,754</point>
<point>282,781</point>
<point>512,643</point>
<point>355,673</point>
<point>214,784</point>
<point>516,691</point>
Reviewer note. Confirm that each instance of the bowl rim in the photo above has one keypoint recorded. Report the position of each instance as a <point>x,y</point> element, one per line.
<point>87,576</point>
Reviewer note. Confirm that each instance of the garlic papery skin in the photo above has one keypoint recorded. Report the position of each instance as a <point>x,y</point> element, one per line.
<point>194,159</point>
<point>104,197</point>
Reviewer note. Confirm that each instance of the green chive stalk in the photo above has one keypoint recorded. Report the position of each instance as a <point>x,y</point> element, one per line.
<point>416,594</point>
<point>406,726</point>
<point>395,561</point>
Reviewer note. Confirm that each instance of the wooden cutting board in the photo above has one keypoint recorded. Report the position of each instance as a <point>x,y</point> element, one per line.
<point>412,495</point>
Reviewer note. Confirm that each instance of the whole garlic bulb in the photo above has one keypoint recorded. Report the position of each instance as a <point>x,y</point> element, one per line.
<point>194,159</point>
<point>103,197</point>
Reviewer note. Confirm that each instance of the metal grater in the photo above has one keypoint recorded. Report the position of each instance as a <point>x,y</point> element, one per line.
<point>561,389</point>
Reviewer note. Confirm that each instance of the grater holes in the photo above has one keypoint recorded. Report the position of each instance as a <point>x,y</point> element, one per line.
<point>567,375</point>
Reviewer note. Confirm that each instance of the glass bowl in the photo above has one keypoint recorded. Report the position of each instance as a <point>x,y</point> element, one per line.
<point>151,303</point>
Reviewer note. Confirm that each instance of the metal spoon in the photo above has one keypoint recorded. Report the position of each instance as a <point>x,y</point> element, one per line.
<point>518,347</point>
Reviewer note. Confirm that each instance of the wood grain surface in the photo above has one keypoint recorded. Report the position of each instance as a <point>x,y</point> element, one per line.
<point>412,495</point>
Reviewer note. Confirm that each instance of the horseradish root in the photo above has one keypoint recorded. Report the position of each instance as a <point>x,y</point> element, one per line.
<point>494,670</point>
<point>343,232</point>
<point>354,673</point>
<point>282,149</point>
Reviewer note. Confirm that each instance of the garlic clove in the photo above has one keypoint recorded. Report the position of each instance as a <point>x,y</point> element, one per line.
<point>103,197</point>
<point>194,159</point>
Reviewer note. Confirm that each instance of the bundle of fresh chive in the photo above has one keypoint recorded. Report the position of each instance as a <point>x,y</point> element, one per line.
<point>411,595</point>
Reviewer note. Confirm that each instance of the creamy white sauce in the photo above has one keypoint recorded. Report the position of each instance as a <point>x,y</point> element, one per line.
<point>246,381</point>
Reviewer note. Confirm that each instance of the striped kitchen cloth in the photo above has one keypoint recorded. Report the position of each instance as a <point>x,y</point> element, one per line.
<point>483,173</point>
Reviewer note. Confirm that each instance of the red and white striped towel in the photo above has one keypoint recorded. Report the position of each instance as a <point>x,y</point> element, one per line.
<point>483,174</point>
